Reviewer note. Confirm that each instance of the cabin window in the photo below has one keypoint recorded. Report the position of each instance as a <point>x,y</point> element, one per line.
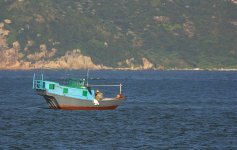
<point>51,86</point>
<point>65,90</point>
<point>84,93</point>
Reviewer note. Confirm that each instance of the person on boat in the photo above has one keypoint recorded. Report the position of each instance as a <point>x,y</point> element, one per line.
<point>98,95</point>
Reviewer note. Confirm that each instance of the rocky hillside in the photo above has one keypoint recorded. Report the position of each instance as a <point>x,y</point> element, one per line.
<point>105,34</point>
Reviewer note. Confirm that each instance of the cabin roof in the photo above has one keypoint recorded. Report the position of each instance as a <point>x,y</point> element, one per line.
<point>76,83</point>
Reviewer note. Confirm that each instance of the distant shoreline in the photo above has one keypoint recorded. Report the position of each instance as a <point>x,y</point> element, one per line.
<point>123,69</point>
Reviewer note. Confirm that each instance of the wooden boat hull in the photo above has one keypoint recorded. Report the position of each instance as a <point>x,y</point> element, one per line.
<point>63,102</point>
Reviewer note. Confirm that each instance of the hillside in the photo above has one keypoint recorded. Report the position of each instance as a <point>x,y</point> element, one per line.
<point>103,34</point>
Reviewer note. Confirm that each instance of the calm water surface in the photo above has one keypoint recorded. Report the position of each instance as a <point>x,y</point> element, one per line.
<point>163,110</point>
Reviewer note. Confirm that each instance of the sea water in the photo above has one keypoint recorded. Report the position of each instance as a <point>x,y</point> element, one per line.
<point>162,110</point>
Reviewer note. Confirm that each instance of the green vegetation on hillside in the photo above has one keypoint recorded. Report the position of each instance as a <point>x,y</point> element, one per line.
<point>169,33</point>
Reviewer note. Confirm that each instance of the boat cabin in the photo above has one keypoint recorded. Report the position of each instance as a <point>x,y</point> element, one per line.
<point>75,88</point>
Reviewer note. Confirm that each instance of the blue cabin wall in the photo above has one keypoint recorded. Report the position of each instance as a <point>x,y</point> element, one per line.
<point>72,92</point>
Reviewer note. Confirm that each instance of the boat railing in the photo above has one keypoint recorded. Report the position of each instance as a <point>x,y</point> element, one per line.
<point>119,85</point>
<point>38,84</point>
<point>75,83</point>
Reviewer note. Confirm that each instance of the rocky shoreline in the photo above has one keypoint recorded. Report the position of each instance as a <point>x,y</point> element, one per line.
<point>12,58</point>
<point>118,69</point>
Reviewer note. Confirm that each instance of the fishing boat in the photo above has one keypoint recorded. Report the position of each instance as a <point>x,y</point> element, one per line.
<point>76,94</point>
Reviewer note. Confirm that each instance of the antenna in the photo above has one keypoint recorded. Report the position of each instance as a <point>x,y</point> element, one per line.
<point>87,77</point>
<point>33,81</point>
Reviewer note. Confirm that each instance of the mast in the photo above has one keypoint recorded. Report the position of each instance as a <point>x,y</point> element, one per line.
<point>87,77</point>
